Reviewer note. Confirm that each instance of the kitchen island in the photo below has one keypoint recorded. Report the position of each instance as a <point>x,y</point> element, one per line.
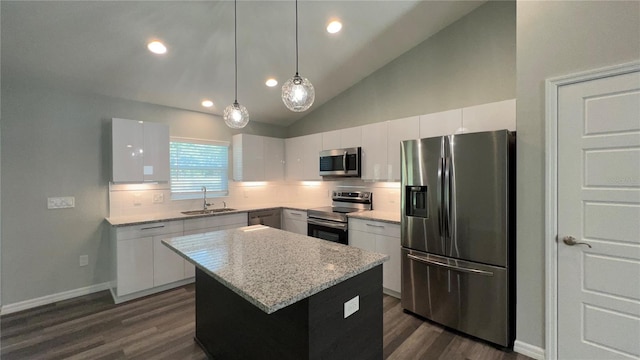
<point>271,294</point>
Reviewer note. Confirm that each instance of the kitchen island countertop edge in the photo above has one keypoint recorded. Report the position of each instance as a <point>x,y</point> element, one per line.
<point>272,268</point>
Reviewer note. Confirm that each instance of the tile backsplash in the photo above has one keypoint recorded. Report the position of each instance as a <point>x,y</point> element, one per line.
<point>142,199</point>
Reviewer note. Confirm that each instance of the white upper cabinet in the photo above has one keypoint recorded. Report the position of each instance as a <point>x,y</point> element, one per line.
<point>374,151</point>
<point>441,123</point>
<point>312,145</point>
<point>343,138</point>
<point>331,140</point>
<point>140,151</point>
<point>351,137</point>
<point>274,159</point>
<point>399,130</point>
<point>248,157</point>
<point>488,117</point>
<point>302,155</point>
<point>156,152</point>
<point>257,158</point>
<point>294,154</point>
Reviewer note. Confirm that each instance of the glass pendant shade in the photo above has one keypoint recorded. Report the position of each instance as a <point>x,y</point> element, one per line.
<point>298,93</point>
<point>236,116</point>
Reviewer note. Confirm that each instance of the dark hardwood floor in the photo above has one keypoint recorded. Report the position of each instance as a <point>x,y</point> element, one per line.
<point>162,326</point>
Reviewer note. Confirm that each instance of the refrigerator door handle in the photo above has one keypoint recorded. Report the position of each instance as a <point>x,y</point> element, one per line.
<point>440,185</point>
<point>450,267</point>
<point>447,197</point>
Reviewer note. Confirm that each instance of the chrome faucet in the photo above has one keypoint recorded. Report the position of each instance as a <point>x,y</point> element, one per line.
<point>204,198</point>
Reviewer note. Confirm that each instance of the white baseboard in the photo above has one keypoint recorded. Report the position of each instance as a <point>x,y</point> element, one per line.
<point>528,350</point>
<point>29,304</point>
<point>120,299</point>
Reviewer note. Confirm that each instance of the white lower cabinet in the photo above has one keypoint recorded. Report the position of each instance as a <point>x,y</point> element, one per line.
<point>134,270</point>
<point>143,265</point>
<point>384,238</point>
<point>294,221</point>
<point>168,266</point>
<point>135,249</point>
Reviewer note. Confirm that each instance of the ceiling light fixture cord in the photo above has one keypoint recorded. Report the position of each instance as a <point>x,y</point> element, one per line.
<point>235,115</point>
<point>296,37</point>
<point>298,92</point>
<point>235,44</point>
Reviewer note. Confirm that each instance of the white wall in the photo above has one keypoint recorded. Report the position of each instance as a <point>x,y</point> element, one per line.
<point>555,38</point>
<point>57,143</point>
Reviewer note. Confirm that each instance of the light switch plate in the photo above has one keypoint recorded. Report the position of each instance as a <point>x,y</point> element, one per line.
<point>351,306</point>
<point>62,202</point>
<point>83,260</point>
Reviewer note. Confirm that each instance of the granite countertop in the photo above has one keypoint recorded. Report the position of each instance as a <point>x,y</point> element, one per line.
<point>177,215</point>
<point>272,268</point>
<point>377,215</point>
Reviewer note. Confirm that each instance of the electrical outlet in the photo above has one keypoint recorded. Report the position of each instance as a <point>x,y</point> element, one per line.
<point>83,260</point>
<point>158,198</point>
<point>351,306</point>
<point>137,199</point>
<point>62,202</point>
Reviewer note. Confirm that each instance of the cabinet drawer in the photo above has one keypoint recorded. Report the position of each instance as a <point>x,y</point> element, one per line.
<point>152,229</point>
<point>239,219</point>
<point>375,227</point>
<point>294,214</point>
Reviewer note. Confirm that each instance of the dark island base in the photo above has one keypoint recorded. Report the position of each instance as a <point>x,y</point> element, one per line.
<point>229,327</point>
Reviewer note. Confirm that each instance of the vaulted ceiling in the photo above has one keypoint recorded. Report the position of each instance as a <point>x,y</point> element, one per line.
<point>100,47</point>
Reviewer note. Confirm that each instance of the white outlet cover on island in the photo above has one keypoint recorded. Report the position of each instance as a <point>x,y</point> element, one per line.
<point>351,306</point>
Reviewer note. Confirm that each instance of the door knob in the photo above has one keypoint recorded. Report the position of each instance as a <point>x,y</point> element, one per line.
<point>570,240</point>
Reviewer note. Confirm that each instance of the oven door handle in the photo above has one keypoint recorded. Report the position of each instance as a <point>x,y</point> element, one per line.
<point>330,224</point>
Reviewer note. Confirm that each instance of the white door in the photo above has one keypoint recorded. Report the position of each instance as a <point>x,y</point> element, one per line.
<point>599,205</point>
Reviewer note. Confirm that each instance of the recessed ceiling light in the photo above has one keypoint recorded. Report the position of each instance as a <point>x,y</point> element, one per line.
<point>334,27</point>
<point>157,47</point>
<point>207,103</point>
<point>271,82</point>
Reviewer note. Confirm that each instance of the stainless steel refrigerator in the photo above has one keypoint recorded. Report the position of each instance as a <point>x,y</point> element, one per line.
<point>458,232</point>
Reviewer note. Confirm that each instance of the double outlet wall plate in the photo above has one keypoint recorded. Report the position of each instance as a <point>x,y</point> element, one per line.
<point>62,202</point>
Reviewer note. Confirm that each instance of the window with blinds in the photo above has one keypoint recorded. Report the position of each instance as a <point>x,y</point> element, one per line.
<point>198,163</point>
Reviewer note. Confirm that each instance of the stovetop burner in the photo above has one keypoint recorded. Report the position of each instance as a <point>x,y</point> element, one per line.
<point>344,202</point>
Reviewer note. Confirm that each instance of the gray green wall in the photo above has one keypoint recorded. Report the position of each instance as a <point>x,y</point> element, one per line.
<point>555,38</point>
<point>57,143</point>
<point>470,62</point>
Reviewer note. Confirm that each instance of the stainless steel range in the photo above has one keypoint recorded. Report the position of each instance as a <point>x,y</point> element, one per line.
<point>330,222</point>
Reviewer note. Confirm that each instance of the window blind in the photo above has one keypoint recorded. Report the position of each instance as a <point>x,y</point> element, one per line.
<point>197,163</point>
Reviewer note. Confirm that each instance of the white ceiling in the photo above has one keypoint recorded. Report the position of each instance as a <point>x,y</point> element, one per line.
<point>100,47</point>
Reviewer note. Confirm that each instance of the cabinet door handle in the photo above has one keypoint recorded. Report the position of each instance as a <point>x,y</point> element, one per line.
<point>152,227</point>
<point>298,214</point>
<point>374,225</point>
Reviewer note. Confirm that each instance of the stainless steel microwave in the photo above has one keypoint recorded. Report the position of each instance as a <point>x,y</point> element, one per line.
<point>341,162</point>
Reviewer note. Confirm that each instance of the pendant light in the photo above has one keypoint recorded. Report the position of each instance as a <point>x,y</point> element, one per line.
<point>298,93</point>
<point>235,115</point>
